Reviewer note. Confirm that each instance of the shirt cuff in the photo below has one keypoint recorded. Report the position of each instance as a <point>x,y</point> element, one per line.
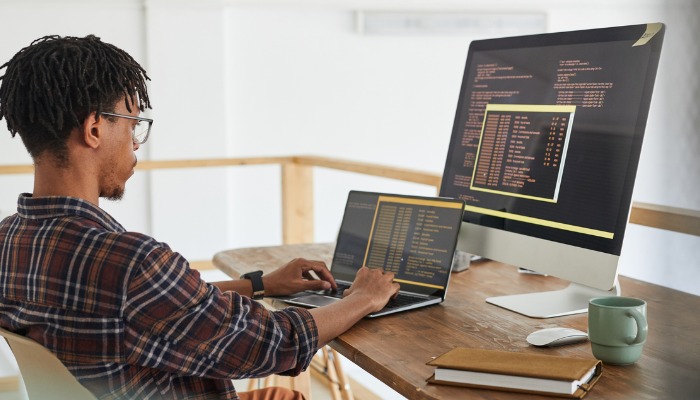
<point>307,337</point>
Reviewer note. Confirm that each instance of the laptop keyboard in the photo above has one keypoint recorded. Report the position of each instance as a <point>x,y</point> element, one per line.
<point>403,300</point>
<point>400,301</point>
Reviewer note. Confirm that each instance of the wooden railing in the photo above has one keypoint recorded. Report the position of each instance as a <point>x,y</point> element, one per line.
<point>297,190</point>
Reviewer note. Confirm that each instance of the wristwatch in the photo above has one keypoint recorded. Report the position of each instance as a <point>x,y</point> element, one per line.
<point>255,278</point>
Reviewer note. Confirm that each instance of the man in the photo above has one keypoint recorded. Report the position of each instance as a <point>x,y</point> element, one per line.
<point>122,311</point>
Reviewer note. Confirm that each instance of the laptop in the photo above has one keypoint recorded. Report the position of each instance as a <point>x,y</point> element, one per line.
<point>415,237</point>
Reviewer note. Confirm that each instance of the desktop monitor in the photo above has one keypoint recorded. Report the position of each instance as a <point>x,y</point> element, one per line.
<point>544,151</point>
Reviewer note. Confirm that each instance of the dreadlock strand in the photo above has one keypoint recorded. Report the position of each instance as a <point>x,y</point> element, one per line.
<point>52,85</point>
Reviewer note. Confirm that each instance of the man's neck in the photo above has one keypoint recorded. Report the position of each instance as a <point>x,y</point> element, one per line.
<point>52,180</point>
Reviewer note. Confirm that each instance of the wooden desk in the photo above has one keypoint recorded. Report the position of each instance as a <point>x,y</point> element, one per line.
<point>395,348</point>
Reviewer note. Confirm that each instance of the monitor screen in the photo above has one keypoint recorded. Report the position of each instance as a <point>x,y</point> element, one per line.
<point>548,133</point>
<point>547,138</point>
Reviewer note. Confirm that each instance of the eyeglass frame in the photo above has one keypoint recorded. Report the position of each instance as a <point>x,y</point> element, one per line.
<point>133,132</point>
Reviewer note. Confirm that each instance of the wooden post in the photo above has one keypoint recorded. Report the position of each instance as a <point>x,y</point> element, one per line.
<point>297,203</point>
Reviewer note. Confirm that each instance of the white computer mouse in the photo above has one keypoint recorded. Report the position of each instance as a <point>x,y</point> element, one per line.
<point>556,337</point>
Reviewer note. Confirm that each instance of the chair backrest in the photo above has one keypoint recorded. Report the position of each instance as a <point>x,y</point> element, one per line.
<point>44,375</point>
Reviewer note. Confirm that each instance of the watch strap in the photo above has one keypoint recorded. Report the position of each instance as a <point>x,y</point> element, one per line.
<point>255,278</point>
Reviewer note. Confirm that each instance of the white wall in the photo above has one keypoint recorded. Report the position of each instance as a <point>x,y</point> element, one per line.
<point>259,78</point>
<point>187,61</point>
<point>306,82</point>
<point>120,23</point>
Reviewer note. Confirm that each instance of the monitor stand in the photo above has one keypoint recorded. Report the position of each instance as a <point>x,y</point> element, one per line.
<point>571,300</point>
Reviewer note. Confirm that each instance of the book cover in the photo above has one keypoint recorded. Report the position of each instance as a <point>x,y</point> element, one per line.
<point>513,371</point>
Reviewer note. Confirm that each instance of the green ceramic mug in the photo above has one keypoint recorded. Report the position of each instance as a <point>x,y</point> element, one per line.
<point>617,328</point>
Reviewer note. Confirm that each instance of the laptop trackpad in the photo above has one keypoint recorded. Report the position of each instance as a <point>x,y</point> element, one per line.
<point>316,300</point>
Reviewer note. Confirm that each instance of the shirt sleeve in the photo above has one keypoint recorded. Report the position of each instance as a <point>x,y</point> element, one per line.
<point>176,322</point>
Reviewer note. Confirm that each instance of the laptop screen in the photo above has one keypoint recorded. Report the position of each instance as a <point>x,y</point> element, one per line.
<point>414,237</point>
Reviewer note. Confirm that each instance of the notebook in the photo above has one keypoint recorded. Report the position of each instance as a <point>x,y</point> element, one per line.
<point>415,237</point>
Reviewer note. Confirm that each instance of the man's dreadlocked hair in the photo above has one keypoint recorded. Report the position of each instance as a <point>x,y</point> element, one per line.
<point>53,84</point>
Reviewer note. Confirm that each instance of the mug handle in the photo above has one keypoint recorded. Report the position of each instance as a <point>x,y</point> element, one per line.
<point>642,326</point>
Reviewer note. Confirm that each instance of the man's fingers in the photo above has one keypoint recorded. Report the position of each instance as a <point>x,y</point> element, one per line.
<point>317,284</point>
<point>319,267</point>
<point>308,275</point>
<point>397,287</point>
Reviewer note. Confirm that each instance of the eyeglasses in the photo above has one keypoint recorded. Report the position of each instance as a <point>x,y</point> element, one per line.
<point>141,130</point>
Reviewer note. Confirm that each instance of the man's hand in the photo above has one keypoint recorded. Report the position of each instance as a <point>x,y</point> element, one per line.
<point>370,292</point>
<point>295,276</point>
<point>376,285</point>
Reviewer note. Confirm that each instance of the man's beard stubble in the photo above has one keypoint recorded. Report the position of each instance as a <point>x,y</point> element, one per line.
<point>117,193</point>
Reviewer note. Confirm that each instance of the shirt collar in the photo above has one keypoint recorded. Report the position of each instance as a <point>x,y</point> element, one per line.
<point>60,206</point>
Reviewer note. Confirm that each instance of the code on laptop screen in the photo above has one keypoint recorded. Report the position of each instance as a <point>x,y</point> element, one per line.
<point>413,237</point>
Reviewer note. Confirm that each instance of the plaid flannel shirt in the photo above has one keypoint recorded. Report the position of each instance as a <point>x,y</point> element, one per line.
<point>127,315</point>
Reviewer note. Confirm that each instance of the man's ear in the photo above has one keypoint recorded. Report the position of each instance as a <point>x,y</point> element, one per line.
<point>92,130</point>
